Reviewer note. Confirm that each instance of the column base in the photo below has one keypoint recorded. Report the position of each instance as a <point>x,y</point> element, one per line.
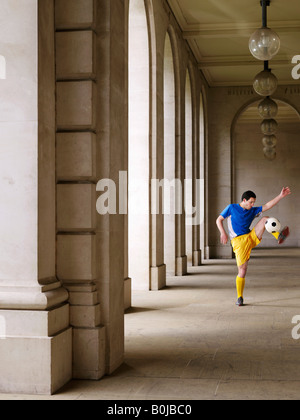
<point>88,334</point>
<point>89,353</point>
<point>197,258</point>
<point>35,351</point>
<point>181,266</point>
<point>158,277</point>
<point>219,252</point>
<point>127,294</point>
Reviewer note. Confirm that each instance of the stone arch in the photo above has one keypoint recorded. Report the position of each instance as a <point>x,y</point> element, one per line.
<point>198,198</point>
<point>250,169</point>
<point>174,43</point>
<point>190,166</point>
<point>203,167</point>
<point>194,90</point>
<point>138,145</point>
<point>253,100</point>
<point>169,157</point>
<point>180,77</point>
<point>238,114</point>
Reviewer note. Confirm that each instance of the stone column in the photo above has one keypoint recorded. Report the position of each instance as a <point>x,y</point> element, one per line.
<point>35,337</point>
<point>127,279</point>
<point>197,258</point>
<point>76,180</point>
<point>181,257</point>
<point>157,42</point>
<point>112,143</point>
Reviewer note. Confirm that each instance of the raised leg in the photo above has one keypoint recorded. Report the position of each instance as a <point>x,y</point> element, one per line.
<point>260,228</point>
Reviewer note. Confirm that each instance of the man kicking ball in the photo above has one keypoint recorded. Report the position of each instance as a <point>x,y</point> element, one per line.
<point>240,217</point>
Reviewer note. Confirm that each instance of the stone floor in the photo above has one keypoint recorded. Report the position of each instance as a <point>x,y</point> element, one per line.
<point>189,341</point>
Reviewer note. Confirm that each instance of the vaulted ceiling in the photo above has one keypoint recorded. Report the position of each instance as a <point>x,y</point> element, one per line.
<point>218,33</point>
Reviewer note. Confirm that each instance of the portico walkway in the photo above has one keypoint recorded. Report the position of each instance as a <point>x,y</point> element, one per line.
<point>190,341</point>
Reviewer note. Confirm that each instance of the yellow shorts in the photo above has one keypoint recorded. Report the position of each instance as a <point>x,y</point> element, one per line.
<point>243,245</point>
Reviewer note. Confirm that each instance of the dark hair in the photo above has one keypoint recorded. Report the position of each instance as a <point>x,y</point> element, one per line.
<point>247,195</point>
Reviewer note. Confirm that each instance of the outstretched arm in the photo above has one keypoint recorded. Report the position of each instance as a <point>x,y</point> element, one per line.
<point>284,193</point>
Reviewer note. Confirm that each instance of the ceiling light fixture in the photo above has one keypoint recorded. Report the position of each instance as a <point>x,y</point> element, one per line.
<point>268,108</point>
<point>270,153</point>
<point>269,141</point>
<point>269,127</point>
<point>265,83</point>
<point>264,44</point>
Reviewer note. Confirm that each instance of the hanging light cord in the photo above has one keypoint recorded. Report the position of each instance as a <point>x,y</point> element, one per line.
<point>264,5</point>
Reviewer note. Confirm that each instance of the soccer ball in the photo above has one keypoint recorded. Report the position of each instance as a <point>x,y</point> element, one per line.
<point>273,225</point>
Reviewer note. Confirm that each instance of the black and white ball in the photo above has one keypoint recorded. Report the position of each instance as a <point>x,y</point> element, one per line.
<point>273,225</point>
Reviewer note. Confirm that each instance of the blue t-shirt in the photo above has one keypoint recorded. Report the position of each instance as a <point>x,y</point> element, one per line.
<point>239,219</point>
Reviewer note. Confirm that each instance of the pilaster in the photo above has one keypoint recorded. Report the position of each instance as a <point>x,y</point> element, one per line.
<point>112,144</point>
<point>76,107</point>
<point>156,150</point>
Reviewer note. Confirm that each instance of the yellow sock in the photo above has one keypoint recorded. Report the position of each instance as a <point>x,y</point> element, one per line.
<point>240,285</point>
<point>276,235</point>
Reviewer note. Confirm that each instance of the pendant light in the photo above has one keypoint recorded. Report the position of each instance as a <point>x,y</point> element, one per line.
<point>269,127</point>
<point>268,108</point>
<point>269,141</point>
<point>264,44</point>
<point>265,83</point>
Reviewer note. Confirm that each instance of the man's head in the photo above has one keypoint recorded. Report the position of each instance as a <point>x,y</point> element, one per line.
<point>248,200</point>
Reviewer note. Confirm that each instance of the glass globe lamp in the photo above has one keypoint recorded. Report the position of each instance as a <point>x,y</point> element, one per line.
<point>269,127</point>
<point>269,141</point>
<point>268,108</point>
<point>270,153</point>
<point>265,83</point>
<point>264,44</point>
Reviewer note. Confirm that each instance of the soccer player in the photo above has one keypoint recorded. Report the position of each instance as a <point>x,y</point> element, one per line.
<point>240,217</point>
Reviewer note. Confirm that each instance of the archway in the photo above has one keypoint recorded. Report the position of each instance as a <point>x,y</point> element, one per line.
<point>169,158</point>
<point>189,173</point>
<point>203,177</point>
<point>138,147</point>
<point>252,171</point>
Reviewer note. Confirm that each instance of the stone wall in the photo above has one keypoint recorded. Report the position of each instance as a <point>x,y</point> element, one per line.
<point>266,178</point>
